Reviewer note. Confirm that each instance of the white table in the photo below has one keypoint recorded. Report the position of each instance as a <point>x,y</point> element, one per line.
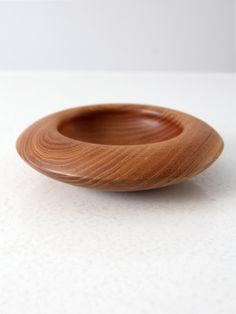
<point>66,249</point>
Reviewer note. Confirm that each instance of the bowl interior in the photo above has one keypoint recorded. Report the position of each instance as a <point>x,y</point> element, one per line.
<point>121,126</point>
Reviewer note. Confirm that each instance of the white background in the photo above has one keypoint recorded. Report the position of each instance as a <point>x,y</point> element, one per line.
<point>69,250</point>
<point>156,35</point>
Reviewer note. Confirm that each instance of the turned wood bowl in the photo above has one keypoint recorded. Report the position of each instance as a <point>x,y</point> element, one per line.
<point>120,147</point>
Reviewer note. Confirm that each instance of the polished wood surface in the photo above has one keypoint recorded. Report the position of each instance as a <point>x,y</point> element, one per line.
<point>120,147</point>
<point>121,127</point>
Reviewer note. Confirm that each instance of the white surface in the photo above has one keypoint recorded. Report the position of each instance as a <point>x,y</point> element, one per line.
<point>66,249</point>
<point>163,35</point>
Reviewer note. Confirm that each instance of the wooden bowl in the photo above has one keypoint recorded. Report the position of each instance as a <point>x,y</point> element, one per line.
<point>120,147</point>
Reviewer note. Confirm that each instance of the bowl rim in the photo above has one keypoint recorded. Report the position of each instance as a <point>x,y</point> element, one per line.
<point>77,111</point>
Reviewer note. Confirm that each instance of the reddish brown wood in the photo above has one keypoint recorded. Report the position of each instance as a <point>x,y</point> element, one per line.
<point>120,147</point>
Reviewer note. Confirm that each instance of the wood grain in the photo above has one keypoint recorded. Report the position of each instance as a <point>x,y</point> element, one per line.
<point>120,147</point>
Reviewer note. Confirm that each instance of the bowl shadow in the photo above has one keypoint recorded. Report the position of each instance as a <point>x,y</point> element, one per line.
<point>209,185</point>
<point>188,191</point>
